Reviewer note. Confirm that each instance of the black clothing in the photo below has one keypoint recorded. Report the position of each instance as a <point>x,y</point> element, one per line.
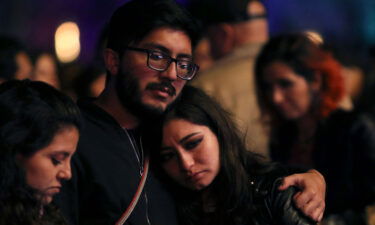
<point>274,206</point>
<point>106,174</point>
<point>260,204</point>
<point>344,153</point>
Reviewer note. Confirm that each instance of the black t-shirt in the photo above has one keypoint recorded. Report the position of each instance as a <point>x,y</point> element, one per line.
<point>106,174</point>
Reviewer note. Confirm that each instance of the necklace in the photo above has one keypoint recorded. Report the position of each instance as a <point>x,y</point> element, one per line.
<point>137,151</point>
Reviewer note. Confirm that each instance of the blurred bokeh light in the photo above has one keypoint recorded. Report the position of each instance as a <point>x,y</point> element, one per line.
<point>67,43</point>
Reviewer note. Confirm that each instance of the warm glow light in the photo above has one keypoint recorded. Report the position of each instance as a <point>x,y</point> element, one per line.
<point>315,37</point>
<point>67,43</point>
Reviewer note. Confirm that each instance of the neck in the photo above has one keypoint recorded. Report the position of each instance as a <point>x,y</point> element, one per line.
<point>110,102</point>
<point>306,126</point>
<point>208,200</point>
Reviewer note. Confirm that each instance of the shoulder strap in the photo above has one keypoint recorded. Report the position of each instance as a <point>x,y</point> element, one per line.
<point>136,196</point>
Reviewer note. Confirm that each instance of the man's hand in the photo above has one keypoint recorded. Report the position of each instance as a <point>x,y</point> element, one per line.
<point>311,199</point>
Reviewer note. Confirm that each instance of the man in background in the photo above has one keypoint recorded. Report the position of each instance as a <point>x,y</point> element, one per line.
<point>237,29</point>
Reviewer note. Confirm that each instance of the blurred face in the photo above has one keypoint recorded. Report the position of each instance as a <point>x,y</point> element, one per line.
<point>46,70</point>
<point>202,54</point>
<point>190,154</point>
<point>144,90</point>
<point>46,168</point>
<point>24,66</point>
<point>289,93</point>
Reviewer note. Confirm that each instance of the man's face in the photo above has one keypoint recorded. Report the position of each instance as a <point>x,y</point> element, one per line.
<point>147,92</point>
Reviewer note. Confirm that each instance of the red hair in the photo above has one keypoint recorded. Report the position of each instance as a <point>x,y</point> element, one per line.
<point>333,88</point>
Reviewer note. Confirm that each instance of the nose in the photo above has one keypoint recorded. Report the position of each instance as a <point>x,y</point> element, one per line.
<point>65,173</point>
<point>277,96</point>
<point>186,162</point>
<point>170,73</point>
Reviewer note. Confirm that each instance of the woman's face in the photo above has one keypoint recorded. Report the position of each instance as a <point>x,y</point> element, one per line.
<point>46,168</point>
<point>289,93</point>
<point>190,154</point>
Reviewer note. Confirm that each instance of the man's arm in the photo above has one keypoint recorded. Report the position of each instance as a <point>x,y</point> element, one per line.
<point>311,199</point>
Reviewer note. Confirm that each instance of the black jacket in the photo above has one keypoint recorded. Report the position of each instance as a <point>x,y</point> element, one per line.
<point>106,175</point>
<point>274,207</point>
<point>345,154</point>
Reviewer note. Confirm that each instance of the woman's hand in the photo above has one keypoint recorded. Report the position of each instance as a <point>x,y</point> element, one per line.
<point>311,199</point>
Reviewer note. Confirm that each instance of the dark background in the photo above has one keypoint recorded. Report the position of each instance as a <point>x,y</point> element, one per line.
<point>349,24</point>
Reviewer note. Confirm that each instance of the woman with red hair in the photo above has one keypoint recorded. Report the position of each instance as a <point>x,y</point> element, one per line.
<point>299,88</point>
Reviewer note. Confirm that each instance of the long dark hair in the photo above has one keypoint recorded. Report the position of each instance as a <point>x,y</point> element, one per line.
<point>231,187</point>
<point>308,59</point>
<point>31,113</point>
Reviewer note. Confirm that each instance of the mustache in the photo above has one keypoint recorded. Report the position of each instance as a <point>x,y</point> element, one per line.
<point>163,86</point>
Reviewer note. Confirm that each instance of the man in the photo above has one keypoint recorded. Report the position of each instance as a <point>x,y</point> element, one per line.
<point>237,29</point>
<point>148,61</point>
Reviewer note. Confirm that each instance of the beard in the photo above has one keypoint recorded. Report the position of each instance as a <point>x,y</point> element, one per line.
<point>129,93</point>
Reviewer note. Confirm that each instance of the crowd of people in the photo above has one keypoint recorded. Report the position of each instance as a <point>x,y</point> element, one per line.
<point>263,131</point>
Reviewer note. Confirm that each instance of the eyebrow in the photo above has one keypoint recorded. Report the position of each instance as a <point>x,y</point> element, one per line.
<point>181,141</point>
<point>166,50</point>
<point>63,152</point>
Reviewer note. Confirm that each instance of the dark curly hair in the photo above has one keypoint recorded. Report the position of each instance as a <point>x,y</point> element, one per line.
<point>134,20</point>
<point>31,113</point>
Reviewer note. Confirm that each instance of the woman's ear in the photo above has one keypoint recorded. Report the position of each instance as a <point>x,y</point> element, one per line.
<point>316,83</point>
<point>112,61</point>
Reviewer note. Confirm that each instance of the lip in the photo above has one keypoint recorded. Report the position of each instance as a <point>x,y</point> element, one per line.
<point>164,89</point>
<point>161,94</point>
<point>195,176</point>
<point>54,190</point>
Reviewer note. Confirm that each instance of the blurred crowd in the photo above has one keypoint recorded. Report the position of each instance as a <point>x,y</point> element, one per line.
<point>297,99</point>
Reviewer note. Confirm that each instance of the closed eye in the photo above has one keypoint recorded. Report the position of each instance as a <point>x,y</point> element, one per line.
<point>59,157</point>
<point>166,156</point>
<point>191,144</point>
<point>285,83</point>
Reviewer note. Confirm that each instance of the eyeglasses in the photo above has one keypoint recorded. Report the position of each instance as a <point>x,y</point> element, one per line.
<point>160,61</point>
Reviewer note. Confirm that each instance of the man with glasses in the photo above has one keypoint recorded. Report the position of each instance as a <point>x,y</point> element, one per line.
<point>148,60</point>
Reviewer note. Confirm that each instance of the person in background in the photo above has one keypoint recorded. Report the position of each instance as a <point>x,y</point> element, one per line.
<point>202,55</point>
<point>214,177</point>
<point>300,87</point>
<point>148,59</point>
<point>15,62</point>
<point>39,130</point>
<point>46,69</point>
<point>237,29</point>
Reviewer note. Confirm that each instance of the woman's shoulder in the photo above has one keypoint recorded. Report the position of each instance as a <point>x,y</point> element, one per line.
<point>349,119</point>
<point>344,127</point>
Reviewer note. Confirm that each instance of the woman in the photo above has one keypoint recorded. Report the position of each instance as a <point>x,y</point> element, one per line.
<point>216,180</point>
<point>39,130</point>
<point>299,91</point>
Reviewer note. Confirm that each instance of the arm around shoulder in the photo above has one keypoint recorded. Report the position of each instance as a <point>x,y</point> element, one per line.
<point>282,209</point>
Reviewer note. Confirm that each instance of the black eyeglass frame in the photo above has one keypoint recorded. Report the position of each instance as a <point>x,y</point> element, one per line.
<point>170,60</point>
